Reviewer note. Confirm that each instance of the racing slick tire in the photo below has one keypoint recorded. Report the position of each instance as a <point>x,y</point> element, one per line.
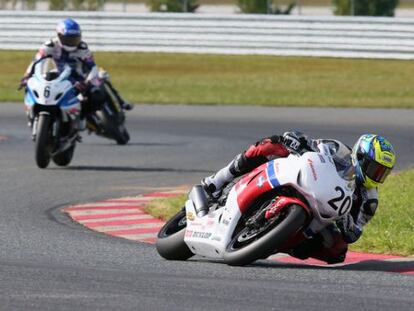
<point>248,245</point>
<point>170,242</point>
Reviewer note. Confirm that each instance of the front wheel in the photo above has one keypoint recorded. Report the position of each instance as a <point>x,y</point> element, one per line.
<point>170,243</point>
<point>250,244</point>
<point>43,144</point>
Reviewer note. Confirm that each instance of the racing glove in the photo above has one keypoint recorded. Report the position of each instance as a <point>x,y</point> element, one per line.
<point>351,232</point>
<point>297,142</point>
<point>82,87</point>
<point>23,82</point>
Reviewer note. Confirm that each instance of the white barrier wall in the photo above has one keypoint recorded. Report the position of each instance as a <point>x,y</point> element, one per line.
<point>358,37</point>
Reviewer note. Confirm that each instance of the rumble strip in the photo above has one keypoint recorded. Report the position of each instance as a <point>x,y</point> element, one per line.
<point>125,218</point>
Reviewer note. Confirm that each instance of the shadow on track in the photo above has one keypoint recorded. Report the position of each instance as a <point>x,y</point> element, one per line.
<point>365,265</point>
<point>127,169</point>
<point>130,144</point>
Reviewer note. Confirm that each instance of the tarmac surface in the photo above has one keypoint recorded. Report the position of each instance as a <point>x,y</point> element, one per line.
<point>48,262</point>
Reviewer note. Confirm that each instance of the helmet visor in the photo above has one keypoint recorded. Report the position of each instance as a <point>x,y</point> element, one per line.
<point>72,41</point>
<point>375,171</point>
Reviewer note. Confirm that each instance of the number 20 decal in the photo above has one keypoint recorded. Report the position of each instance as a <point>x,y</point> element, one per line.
<point>345,205</point>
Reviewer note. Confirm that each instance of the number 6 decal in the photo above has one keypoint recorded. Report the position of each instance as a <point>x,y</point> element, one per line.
<point>47,92</point>
<point>345,205</point>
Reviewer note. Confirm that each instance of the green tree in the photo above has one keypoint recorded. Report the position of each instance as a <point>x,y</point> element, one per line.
<point>263,7</point>
<point>57,5</point>
<point>173,5</point>
<point>31,4</point>
<point>77,5</point>
<point>365,7</point>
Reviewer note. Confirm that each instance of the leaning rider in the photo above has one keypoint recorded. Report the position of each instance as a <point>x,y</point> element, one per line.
<point>373,157</point>
<point>69,48</point>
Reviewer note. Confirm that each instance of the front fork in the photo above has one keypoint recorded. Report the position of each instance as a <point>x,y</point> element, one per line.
<point>33,123</point>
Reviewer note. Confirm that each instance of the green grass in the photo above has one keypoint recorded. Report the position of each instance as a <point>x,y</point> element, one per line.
<point>165,208</point>
<point>243,80</point>
<point>391,231</point>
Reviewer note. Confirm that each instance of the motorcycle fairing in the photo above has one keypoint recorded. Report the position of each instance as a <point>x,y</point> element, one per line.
<point>69,100</point>
<point>265,178</point>
<point>58,92</point>
<point>209,235</point>
<point>311,174</point>
<point>29,98</point>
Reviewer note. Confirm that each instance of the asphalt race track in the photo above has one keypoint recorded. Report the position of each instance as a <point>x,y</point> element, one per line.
<point>48,262</point>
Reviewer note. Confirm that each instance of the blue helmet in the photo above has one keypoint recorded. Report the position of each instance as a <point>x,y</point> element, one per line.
<point>69,34</point>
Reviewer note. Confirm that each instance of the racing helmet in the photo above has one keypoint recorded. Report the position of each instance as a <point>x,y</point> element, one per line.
<point>374,158</point>
<point>69,34</point>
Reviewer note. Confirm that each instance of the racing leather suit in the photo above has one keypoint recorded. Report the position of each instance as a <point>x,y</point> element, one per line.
<point>331,244</point>
<point>83,69</point>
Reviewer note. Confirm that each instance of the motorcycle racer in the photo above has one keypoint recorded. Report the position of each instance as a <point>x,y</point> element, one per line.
<point>69,48</point>
<point>372,158</point>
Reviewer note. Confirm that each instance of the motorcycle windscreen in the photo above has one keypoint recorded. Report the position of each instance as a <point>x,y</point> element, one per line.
<point>47,69</point>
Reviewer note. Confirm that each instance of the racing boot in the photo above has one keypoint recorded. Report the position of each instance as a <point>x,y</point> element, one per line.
<point>214,184</point>
<point>126,105</point>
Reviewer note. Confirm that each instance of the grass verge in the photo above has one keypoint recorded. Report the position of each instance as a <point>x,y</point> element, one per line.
<point>241,80</point>
<point>391,231</point>
<point>165,208</point>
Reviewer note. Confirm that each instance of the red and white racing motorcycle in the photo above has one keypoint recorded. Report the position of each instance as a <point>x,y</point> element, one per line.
<point>265,211</point>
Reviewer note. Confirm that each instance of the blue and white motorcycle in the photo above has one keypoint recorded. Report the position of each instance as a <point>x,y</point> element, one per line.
<point>54,110</point>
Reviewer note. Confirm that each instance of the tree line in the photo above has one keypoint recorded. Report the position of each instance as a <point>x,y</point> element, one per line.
<point>340,7</point>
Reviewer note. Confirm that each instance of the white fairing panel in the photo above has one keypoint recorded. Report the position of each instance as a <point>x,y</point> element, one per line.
<point>47,92</point>
<point>315,176</point>
<point>209,235</point>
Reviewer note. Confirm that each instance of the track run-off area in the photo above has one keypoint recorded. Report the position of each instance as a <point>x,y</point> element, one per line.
<point>49,262</point>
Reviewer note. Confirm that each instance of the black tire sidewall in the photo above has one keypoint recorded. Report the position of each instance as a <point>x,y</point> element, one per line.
<point>65,157</point>
<point>42,155</point>
<point>269,242</point>
<point>172,246</point>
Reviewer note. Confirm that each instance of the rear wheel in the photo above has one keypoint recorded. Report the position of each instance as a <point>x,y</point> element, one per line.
<point>170,243</point>
<point>43,143</point>
<point>251,243</point>
<point>64,158</point>
<point>122,135</point>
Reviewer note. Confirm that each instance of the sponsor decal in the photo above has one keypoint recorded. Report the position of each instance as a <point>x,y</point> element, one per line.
<point>190,216</point>
<point>260,181</point>
<point>216,238</point>
<point>277,169</point>
<point>188,233</point>
<point>315,176</point>
<point>201,235</point>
